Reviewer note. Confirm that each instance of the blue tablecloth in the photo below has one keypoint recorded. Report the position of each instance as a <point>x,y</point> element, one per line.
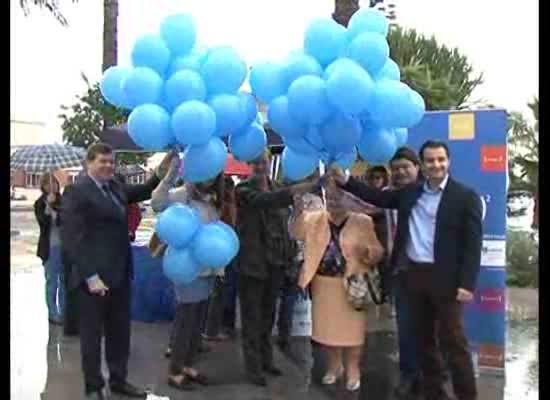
<point>152,293</point>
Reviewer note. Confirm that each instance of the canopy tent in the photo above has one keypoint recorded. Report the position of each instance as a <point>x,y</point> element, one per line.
<point>119,139</point>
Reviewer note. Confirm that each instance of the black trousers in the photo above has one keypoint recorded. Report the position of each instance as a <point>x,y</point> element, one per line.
<point>187,336</point>
<point>258,299</point>
<point>108,315</point>
<point>215,310</point>
<point>435,319</point>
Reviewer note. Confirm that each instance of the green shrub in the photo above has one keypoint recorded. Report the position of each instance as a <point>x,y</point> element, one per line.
<point>522,260</point>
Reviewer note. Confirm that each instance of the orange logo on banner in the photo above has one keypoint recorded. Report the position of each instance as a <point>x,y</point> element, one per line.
<point>493,158</point>
<point>491,356</point>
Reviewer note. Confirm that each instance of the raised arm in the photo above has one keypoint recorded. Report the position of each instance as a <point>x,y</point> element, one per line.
<point>141,192</point>
<point>379,198</point>
<point>163,196</point>
<point>471,242</point>
<point>248,196</point>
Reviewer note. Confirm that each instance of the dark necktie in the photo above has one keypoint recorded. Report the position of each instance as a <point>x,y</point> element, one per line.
<point>109,193</point>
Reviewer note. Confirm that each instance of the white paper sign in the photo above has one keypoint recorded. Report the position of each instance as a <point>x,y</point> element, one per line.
<point>493,253</point>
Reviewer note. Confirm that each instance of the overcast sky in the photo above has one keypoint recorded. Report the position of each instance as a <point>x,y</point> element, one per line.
<point>499,37</point>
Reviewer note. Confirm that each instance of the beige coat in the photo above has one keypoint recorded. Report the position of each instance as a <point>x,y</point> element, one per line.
<point>360,246</point>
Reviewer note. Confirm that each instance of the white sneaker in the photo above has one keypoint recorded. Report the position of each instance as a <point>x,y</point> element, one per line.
<point>353,386</point>
<point>331,378</point>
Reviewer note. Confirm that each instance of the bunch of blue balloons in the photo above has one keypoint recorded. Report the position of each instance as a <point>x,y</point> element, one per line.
<point>182,94</point>
<point>341,95</point>
<point>193,246</point>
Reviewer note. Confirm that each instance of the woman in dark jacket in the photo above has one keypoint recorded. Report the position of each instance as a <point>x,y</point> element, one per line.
<point>46,210</point>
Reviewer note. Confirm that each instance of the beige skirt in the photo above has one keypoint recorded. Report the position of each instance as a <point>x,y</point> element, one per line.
<point>335,321</point>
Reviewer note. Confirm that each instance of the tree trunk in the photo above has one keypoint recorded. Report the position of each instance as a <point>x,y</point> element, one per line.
<point>343,10</point>
<point>110,32</point>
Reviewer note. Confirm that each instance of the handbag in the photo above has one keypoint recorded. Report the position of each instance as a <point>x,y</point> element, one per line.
<point>364,289</point>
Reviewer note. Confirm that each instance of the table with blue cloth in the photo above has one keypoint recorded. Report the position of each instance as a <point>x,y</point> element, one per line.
<point>152,293</point>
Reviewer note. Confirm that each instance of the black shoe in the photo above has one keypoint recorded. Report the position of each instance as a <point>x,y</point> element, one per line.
<point>168,352</point>
<point>273,370</point>
<point>204,349</point>
<point>257,379</point>
<point>128,390</point>
<point>406,388</point>
<point>96,395</point>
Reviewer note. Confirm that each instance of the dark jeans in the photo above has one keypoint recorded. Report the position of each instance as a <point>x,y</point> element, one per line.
<point>258,302</point>
<point>230,290</point>
<point>288,296</point>
<point>408,358</point>
<point>187,336</point>
<point>108,315</point>
<point>55,288</point>
<point>431,313</point>
<point>215,310</point>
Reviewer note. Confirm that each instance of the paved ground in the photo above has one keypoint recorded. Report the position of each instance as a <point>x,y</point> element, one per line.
<point>44,362</point>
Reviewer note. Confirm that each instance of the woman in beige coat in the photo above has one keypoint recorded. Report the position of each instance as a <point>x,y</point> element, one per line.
<point>338,243</point>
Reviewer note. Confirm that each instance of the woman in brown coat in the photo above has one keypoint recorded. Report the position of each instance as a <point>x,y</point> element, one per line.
<point>338,243</point>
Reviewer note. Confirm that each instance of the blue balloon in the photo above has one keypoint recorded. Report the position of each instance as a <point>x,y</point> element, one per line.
<point>214,246</point>
<point>349,88</point>
<point>204,162</point>
<point>191,62</point>
<point>250,112</point>
<point>377,145</point>
<point>224,71</point>
<point>281,121</point>
<point>179,33</point>
<point>390,70</point>
<point>367,20</point>
<point>341,133</point>
<point>111,85</point>
<point>177,225</point>
<point>323,39</point>
<point>301,146</point>
<point>314,137</point>
<point>346,160</point>
<point>180,266</point>
<point>298,166</point>
<point>307,100</point>
<point>297,65</point>
<point>416,108</point>
<point>142,86</point>
<point>183,86</point>
<point>395,105</point>
<point>267,81</point>
<point>229,231</point>
<point>193,122</point>
<point>249,145</point>
<point>401,136</point>
<point>343,62</point>
<point>151,51</point>
<point>229,114</point>
<point>370,50</point>
<point>149,127</point>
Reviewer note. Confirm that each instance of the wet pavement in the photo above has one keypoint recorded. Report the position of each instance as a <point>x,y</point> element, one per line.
<point>46,365</point>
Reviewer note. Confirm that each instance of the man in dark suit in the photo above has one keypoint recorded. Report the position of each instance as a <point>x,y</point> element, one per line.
<point>95,231</point>
<point>265,252</point>
<point>438,242</point>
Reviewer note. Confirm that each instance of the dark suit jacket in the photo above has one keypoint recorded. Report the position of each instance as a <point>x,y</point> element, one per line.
<point>252,224</point>
<point>458,231</point>
<point>44,223</point>
<point>95,231</point>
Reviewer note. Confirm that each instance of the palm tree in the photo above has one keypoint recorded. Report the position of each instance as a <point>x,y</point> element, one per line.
<point>110,24</point>
<point>443,76</point>
<point>51,6</point>
<point>343,10</point>
<point>110,33</point>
